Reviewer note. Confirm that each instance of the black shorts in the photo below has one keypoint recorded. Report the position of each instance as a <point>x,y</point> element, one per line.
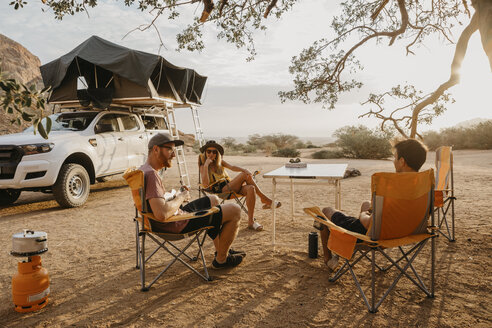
<point>348,222</point>
<point>217,188</point>
<point>213,220</point>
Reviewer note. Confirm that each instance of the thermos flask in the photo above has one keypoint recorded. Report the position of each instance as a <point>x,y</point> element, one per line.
<point>313,244</point>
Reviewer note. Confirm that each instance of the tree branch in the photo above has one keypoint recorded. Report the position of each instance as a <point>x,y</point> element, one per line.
<point>454,77</point>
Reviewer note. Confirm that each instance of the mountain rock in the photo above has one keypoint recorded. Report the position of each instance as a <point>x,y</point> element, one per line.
<point>18,63</point>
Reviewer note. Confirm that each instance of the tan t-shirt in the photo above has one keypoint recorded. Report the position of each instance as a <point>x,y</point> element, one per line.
<point>155,189</point>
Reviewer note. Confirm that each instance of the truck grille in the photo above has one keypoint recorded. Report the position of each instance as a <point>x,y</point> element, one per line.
<point>10,156</point>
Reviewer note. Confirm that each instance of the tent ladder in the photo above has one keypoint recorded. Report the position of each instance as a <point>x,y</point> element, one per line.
<point>198,128</point>
<point>180,156</point>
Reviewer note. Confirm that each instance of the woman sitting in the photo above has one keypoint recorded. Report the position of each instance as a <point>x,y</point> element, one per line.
<point>215,177</point>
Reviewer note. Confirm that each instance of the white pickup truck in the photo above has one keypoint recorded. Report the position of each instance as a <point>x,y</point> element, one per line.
<point>83,147</point>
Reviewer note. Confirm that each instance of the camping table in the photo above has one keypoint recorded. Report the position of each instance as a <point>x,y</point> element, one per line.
<point>324,174</point>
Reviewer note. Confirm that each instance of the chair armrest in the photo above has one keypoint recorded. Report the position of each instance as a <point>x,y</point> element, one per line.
<point>316,213</point>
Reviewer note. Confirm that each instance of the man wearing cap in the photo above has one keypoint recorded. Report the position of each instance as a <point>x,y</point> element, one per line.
<point>225,222</point>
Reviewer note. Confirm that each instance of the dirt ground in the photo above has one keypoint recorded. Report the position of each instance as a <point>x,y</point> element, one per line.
<point>94,283</point>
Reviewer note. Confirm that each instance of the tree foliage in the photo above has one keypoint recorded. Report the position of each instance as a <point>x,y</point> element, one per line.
<point>328,68</point>
<point>24,103</point>
<point>360,142</point>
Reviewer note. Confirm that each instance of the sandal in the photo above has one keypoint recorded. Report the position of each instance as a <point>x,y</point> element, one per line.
<point>256,226</point>
<point>269,206</point>
<point>333,262</point>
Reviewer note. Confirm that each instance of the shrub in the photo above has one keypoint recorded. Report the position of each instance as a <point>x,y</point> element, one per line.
<point>327,154</point>
<point>286,152</point>
<point>360,142</point>
<point>476,137</point>
<point>277,140</point>
<point>248,148</point>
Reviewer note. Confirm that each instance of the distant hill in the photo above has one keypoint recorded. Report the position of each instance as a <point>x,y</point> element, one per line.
<point>18,63</point>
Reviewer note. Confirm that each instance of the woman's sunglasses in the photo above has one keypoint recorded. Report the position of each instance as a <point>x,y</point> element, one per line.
<point>209,151</point>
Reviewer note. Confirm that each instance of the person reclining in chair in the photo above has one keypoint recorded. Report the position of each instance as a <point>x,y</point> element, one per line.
<point>225,223</point>
<point>409,156</point>
<point>214,176</point>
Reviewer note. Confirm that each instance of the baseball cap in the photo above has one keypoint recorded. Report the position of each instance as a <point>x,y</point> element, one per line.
<point>163,138</point>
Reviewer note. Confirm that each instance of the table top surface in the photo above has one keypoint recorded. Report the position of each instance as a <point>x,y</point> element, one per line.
<point>312,171</point>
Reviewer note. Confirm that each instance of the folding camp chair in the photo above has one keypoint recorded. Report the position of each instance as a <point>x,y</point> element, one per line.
<point>240,199</point>
<point>147,226</point>
<point>444,194</point>
<point>402,204</point>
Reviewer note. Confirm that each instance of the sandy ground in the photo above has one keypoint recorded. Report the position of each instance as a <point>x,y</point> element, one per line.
<point>94,283</point>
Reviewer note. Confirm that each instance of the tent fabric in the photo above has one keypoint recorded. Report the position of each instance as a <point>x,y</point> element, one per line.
<point>131,73</point>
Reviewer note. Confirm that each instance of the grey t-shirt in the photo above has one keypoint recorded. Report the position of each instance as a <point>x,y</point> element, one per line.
<point>155,189</point>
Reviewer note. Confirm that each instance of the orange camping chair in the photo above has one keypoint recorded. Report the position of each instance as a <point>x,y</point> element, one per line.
<point>444,194</point>
<point>147,226</point>
<point>240,199</point>
<point>402,204</point>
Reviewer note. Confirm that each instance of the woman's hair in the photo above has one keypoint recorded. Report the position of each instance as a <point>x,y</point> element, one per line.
<point>218,161</point>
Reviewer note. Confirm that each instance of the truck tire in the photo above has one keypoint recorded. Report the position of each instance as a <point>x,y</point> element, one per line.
<point>9,196</point>
<point>72,186</point>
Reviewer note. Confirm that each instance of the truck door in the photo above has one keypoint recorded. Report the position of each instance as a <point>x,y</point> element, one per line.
<point>111,146</point>
<point>135,139</point>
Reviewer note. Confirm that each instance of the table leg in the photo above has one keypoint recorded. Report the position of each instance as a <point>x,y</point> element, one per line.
<point>274,187</point>
<point>292,199</point>
<point>338,197</point>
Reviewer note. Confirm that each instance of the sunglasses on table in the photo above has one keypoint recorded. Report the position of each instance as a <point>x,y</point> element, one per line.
<point>210,151</point>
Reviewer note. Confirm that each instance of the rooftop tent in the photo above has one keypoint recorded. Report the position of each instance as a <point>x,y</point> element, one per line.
<point>113,74</point>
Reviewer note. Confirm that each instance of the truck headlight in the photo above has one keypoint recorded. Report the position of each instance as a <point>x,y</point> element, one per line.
<point>37,148</point>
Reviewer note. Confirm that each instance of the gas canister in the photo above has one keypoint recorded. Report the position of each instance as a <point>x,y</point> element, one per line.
<point>30,285</point>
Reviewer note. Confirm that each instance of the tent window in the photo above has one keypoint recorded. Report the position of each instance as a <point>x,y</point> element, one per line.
<point>81,83</point>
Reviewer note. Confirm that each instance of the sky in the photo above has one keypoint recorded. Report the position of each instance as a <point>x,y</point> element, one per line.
<point>240,98</point>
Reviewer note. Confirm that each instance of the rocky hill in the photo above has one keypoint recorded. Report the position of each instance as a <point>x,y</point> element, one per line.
<point>18,63</point>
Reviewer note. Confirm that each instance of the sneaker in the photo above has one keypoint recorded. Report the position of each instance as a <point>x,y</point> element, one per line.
<point>333,262</point>
<point>231,262</point>
<point>233,252</point>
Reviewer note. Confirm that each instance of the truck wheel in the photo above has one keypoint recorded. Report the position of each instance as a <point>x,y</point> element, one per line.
<point>72,186</point>
<point>9,196</point>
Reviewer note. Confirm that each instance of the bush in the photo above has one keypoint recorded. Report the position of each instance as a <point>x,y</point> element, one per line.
<point>476,137</point>
<point>360,142</point>
<point>286,152</point>
<point>272,142</point>
<point>249,149</point>
<point>327,154</point>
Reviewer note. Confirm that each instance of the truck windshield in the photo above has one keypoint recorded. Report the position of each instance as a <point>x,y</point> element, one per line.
<point>78,121</point>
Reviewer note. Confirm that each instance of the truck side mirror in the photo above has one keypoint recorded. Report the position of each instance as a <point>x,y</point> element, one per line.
<point>101,128</point>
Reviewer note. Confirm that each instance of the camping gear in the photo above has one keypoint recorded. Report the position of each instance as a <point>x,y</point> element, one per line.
<point>99,73</point>
<point>144,227</point>
<point>29,243</point>
<point>402,204</point>
<point>313,245</point>
<point>31,283</point>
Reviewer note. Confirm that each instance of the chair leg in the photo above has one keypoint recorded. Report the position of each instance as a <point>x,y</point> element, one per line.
<point>137,245</point>
<point>448,204</point>
<point>142,264</point>
<point>452,217</point>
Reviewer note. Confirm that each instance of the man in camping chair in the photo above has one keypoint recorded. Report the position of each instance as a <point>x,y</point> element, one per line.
<point>409,156</point>
<point>225,222</point>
